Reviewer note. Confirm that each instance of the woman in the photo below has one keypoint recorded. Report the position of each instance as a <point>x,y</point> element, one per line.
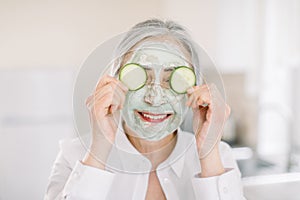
<point>137,149</point>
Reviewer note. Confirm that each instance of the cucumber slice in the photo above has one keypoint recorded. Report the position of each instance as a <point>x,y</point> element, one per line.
<point>133,76</point>
<point>182,78</point>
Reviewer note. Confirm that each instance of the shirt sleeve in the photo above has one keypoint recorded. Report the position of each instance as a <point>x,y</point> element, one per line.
<point>88,183</point>
<point>227,186</point>
<point>77,182</point>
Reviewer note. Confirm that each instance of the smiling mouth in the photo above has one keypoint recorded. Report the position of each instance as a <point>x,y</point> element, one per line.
<point>153,117</point>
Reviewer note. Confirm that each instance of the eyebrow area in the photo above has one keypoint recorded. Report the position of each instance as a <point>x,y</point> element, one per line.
<point>167,69</point>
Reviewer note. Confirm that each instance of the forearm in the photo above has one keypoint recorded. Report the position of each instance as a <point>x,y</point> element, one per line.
<point>212,165</point>
<point>98,153</point>
<point>214,182</point>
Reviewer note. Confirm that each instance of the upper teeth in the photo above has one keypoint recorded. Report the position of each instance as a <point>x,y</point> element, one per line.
<point>154,116</point>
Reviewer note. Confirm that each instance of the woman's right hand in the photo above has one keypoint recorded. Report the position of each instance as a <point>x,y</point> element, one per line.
<point>104,106</point>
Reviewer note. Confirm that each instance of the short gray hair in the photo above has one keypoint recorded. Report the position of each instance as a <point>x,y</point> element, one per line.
<point>153,28</point>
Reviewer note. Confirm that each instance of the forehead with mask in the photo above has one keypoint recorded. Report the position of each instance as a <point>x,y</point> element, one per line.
<point>160,31</point>
<point>154,111</point>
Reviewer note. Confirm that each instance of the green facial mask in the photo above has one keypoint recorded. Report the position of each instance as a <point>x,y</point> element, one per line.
<point>154,108</point>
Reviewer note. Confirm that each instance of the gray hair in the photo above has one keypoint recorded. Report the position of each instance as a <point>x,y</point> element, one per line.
<point>153,28</point>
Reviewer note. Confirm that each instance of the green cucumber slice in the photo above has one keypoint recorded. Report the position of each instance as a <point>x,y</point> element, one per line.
<point>133,76</point>
<point>182,78</point>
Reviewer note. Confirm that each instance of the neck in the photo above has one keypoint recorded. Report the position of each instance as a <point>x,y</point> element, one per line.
<point>155,151</point>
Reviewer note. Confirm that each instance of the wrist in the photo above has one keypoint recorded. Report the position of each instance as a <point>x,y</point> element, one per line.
<point>97,154</point>
<point>212,164</point>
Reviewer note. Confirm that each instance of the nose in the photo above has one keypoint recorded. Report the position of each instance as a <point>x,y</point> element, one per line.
<point>155,95</point>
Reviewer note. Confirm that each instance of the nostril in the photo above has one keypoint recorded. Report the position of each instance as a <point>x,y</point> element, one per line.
<point>155,95</point>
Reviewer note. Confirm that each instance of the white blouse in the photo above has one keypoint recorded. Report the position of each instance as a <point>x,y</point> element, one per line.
<point>127,177</point>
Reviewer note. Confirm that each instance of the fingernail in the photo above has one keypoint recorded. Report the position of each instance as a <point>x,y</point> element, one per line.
<point>204,105</point>
<point>190,90</point>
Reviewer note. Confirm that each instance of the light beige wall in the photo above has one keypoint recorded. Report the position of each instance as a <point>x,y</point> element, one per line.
<point>35,33</point>
<point>199,16</point>
<point>51,34</point>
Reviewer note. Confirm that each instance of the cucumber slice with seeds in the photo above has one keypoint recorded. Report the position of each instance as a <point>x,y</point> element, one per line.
<point>133,76</point>
<point>182,78</point>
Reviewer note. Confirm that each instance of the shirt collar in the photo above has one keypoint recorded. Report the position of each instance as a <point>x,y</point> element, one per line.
<point>176,159</point>
<point>126,158</point>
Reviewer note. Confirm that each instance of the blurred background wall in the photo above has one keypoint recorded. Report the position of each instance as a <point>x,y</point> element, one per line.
<point>254,43</point>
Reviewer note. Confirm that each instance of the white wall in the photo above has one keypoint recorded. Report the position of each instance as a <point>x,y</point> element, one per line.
<point>281,51</point>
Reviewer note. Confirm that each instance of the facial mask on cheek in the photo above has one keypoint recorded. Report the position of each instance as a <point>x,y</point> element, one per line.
<point>153,112</point>
<point>143,118</point>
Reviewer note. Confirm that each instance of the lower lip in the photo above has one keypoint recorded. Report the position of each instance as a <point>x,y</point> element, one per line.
<point>146,119</point>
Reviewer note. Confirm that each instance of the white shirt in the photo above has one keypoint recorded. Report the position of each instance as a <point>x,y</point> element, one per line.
<point>128,176</point>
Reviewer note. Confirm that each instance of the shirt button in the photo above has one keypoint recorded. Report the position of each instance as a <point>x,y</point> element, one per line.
<point>76,174</point>
<point>166,180</point>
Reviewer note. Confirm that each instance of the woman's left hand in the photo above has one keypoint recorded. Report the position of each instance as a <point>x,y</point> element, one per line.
<point>210,114</point>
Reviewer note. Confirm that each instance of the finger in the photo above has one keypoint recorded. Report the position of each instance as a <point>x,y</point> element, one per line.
<point>88,101</point>
<point>118,96</point>
<point>202,97</point>
<point>191,92</point>
<point>199,118</point>
<point>106,105</point>
<point>190,100</point>
<point>107,98</point>
<point>111,88</point>
<point>209,115</point>
<point>92,99</point>
<point>108,80</point>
